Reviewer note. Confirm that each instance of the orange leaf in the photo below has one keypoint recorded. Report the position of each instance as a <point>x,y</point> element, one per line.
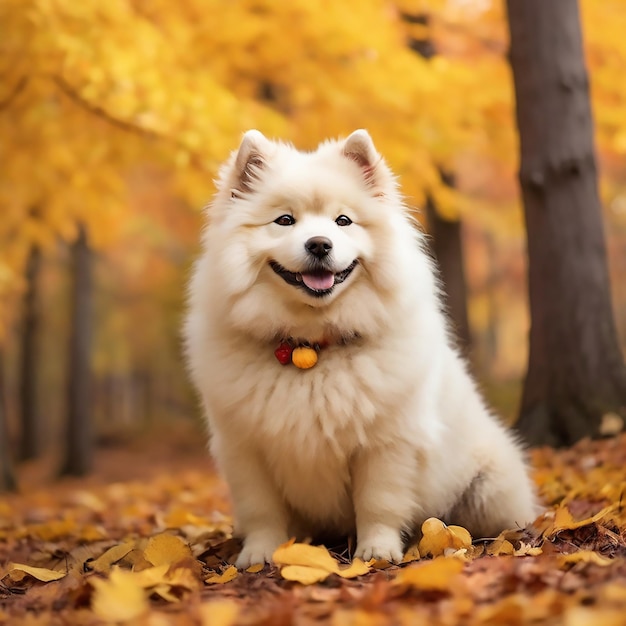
<point>166,549</point>
<point>356,568</point>
<point>219,613</point>
<point>304,554</point>
<point>230,573</point>
<point>40,573</point>
<point>119,598</point>
<point>303,574</point>
<point>436,575</point>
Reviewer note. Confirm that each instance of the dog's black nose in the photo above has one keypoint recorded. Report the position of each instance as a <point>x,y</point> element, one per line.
<point>319,246</point>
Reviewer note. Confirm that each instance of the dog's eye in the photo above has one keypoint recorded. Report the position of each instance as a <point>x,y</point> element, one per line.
<point>285,220</point>
<point>343,220</point>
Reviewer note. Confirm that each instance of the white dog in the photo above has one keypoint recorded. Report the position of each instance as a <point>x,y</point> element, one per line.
<point>314,257</point>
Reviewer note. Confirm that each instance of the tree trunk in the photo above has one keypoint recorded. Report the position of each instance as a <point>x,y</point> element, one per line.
<point>576,374</point>
<point>79,436</point>
<point>7,477</point>
<point>30,436</point>
<point>447,246</point>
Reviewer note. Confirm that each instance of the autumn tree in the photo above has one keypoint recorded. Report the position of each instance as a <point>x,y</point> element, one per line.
<point>576,374</point>
<point>30,435</point>
<point>7,477</point>
<point>447,238</point>
<point>79,427</point>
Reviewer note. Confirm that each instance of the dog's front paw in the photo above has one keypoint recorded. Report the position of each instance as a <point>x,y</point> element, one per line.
<point>259,548</point>
<point>384,543</point>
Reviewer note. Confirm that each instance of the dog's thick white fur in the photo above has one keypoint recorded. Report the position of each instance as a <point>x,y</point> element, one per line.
<point>388,428</point>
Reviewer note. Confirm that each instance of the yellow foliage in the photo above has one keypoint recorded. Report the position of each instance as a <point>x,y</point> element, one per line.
<point>230,573</point>
<point>166,549</point>
<point>218,613</point>
<point>16,570</point>
<point>440,574</point>
<point>439,539</point>
<point>308,564</point>
<point>119,598</point>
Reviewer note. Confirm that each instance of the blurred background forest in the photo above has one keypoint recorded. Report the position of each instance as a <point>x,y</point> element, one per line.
<point>114,117</point>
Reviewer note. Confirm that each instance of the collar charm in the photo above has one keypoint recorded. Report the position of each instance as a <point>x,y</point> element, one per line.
<point>302,356</point>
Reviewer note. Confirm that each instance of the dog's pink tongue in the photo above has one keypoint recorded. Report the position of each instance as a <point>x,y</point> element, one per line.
<point>319,282</point>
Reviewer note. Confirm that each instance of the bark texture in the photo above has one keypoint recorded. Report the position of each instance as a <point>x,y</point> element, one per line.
<point>79,435</point>
<point>30,440</point>
<point>447,246</point>
<point>7,476</point>
<point>576,373</point>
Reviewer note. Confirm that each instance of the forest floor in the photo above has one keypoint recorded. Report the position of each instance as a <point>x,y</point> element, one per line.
<point>146,541</point>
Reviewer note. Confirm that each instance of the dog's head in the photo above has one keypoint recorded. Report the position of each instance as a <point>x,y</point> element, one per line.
<point>296,231</point>
<point>306,216</point>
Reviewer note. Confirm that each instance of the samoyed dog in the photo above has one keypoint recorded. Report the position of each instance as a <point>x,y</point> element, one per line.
<point>336,400</point>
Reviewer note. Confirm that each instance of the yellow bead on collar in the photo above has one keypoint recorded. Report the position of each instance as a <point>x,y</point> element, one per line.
<point>304,357</point>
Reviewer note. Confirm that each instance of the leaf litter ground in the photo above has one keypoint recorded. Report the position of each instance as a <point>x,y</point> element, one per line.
<point>147,541</point>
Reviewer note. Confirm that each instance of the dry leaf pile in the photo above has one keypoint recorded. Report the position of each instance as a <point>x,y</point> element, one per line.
<point>159,552</point>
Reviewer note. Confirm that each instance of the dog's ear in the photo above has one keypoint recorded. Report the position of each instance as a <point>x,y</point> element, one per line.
<point>249,162</point>
<point>360,148</point>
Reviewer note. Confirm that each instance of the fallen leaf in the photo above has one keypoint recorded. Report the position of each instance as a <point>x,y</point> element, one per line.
<point>356,568</point>
<point>166,549</point>
<point>119,598</point>
<point>584,556</point>
<point>585,616</point>
<point>499,547</point>
<point>307,555</point>
<point>437,538</point>
<point>412,554</point>
<point>303,574</point>
<point>256,568</point>
<point>563,519</point>
<point>149,577</point>
<point>436,575</point>
<point>358,617</point>
<point>105,561</point>
<point>230,573</point>
<point>526,549</point>
<point>219,613</point>
<point>40,573</point>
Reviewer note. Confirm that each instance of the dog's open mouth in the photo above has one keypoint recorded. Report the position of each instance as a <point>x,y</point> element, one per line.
<point>317,282</point>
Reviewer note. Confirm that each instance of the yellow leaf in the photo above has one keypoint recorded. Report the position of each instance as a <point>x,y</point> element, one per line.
<point>303,574</point>
<point>226,576</point>
<point>361,617</point>
<point>499,547</point>
<point>304,554</point>
<point>437,538</point>
<point>150,577</point>
<point>584,556</point>
<point>463,537</point>
<point>166,550</point>
<point>526,550</point>
<point>182,577</point>
<point>356,568</point>
<point>219,613</point>
<point>412,554</point>
<point>563,519</point>
<point>254,569</point>
<point>119,598</point>
<point>40,573</point>
<point>106,560</point>
<point>597,616</point>
<point>165,592</point>
<point>435,575</point>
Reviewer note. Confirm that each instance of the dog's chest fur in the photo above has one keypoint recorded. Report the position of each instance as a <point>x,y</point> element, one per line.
<point>309,424</point>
